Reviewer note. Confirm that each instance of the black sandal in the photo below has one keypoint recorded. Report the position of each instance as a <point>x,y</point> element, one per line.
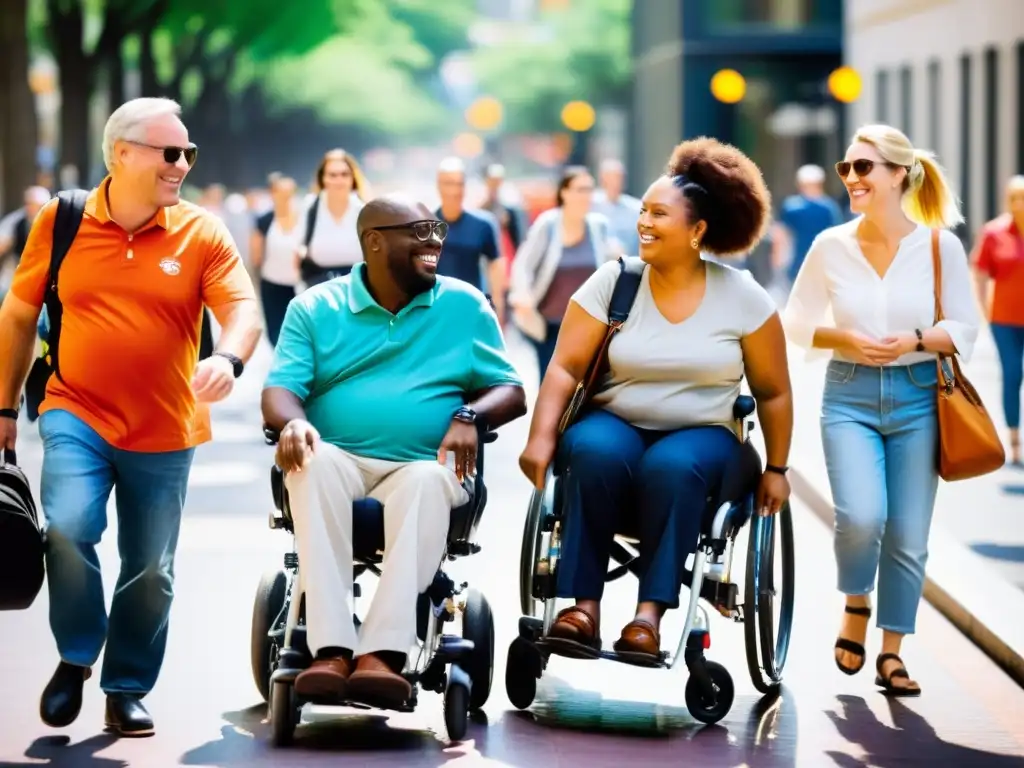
<point>850,646</point>
<point>900,671</point>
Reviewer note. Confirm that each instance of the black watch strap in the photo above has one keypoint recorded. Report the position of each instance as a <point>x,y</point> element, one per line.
<point>776,469</point>
<point>920,339</point>
<point>465,414</point>
<point>9,413</point>
<point>236,362</point>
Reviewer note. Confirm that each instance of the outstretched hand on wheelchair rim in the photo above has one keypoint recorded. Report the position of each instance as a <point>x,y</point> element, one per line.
<point>462,439</point>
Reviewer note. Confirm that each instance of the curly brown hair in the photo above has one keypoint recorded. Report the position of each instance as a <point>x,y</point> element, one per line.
<point>725,189</point>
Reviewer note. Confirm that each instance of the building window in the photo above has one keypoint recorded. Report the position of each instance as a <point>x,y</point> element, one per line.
<point>991,131</point>
<point>965,140</point>
<point>906,100</point>
<point>881,96</point>
<point>934,105</point>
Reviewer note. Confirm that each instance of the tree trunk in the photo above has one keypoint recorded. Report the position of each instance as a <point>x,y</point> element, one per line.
<point>18,121</point>
<point>115,80</point>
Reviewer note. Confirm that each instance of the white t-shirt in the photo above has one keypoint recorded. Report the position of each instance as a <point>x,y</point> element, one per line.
<point>334,243</point>
<point>279,263</point>
<point>665,376</point>
<point>836,277</point>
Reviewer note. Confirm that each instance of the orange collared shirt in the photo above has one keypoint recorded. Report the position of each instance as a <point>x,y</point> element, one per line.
<point>1000,254</point>
<point>133,305</point>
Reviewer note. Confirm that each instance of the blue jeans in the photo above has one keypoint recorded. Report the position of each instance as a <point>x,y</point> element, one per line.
<point>1009,341</point>
<point>79,471</point>
<point>275,298</point>
<point>618,478</point>
<point>880,432</point>
<point>546,349</point>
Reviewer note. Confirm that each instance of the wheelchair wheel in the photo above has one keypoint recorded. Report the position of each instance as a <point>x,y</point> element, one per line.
<point>478,626</point>
<point>703,709</point>
<point>456,711</point>
<point>770,588</point>
<point>522,670</point>
<point>540,504</point>
<point>270,597</point>
<point>284,714</point>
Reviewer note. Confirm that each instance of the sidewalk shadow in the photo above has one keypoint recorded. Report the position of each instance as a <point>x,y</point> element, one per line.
<point>245,740</point>
<point>766,739</point>
<point>1007,552</point>
<point>59,752</point>
<point>911,740</point>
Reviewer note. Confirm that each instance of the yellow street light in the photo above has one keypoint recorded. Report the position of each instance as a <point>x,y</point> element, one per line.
<point>578,116</point>
<point>728,86</point>
<point>468,145</point>
<point>484,114</point>
<point>845,84</point>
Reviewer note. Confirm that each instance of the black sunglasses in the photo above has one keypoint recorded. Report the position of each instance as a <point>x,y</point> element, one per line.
<point>171,154</point>
<point>862,167</point>
<point>423,230</point>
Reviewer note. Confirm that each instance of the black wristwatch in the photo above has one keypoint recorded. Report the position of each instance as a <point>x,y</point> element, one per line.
<point>9,413</point>
<point>776,469</point>
<point>236,362</point>
<point>920,340</point>
<point>466,415</point>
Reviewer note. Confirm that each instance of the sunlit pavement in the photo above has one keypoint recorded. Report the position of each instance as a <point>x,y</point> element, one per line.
<point>208,712</point>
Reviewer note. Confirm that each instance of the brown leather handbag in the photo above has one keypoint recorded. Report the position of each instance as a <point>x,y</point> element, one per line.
<point>969,445</point>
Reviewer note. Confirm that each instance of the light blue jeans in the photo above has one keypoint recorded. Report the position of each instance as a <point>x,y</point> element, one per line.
<point>879,429</point>
<point>80,469</point>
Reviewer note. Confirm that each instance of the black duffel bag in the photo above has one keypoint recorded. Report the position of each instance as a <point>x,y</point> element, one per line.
<point>22,542</point>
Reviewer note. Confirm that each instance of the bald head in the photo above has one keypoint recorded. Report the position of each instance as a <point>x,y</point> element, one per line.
<point>389,210</point>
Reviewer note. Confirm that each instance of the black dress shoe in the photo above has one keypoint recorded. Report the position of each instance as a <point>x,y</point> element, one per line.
<point>62,697</point>
<point>126,715</point>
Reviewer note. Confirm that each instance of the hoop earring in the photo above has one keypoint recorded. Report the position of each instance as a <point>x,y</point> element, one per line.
<point>695,244</point>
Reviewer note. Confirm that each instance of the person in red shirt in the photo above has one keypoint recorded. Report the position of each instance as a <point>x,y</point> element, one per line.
<point>130,401</point>
<point>999,272</point>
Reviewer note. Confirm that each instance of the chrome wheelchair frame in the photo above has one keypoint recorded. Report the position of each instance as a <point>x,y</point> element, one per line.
<point>460,667</point>
<point>709,688</point>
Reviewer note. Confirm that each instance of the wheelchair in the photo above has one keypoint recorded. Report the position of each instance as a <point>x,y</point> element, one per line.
<point>709,689</point>
<point>460,667</point>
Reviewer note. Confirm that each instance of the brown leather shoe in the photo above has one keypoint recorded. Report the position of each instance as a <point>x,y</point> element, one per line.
<point>574,633</point>
<point>639,639</point>
<point>376,684</point>
<point>326,678</point>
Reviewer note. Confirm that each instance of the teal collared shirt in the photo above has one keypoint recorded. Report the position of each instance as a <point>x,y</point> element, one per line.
<point>383,385</point>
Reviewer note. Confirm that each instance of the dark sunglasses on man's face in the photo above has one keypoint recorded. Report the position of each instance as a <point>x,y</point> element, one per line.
<point>423,230</point>
<point>172,154</point>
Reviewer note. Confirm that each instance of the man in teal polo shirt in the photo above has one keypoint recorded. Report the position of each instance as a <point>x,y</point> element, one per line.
<point>378,377</point>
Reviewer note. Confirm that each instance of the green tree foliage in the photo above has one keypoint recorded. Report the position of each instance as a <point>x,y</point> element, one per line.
<point>586,55</point>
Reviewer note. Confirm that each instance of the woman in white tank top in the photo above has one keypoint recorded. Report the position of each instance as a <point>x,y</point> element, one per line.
<point>272,250</point>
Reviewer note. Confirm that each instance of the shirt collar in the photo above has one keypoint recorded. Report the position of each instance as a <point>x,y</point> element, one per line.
<point>359,298</point>
<point>96,206</point>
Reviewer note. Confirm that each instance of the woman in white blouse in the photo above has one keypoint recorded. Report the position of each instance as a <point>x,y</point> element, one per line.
<point>330,244</point>
<point>878,422</point>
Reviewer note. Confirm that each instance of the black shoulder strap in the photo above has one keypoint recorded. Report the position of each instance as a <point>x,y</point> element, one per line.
<point>70,208</point>
<point>311,221</point>
<point>631,271</point>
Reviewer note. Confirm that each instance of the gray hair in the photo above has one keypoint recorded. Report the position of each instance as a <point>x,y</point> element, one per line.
<point>128,122</point>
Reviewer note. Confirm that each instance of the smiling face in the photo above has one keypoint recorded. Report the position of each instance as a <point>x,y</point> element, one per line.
<point>140,162</point>
<point>410,244</point>
<point>665,225</point>
<point>871,182</point>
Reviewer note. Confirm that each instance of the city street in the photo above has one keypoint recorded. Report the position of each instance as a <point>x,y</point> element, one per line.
<point>208,712</point>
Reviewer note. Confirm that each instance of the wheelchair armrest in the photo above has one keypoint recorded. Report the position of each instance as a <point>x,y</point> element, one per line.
<point>271,435</point>
<point>743,407</point>
<point>488,437</point>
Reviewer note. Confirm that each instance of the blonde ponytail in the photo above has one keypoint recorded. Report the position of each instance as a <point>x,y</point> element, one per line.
<point>929,199</point>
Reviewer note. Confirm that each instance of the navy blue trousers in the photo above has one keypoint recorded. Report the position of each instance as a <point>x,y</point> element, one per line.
<point>619,478</point>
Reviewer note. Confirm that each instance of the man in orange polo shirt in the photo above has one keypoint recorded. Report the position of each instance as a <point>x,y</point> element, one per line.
<point>131,401</point>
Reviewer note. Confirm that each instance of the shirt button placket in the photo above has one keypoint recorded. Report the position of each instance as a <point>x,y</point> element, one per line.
<point>131,251</point>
